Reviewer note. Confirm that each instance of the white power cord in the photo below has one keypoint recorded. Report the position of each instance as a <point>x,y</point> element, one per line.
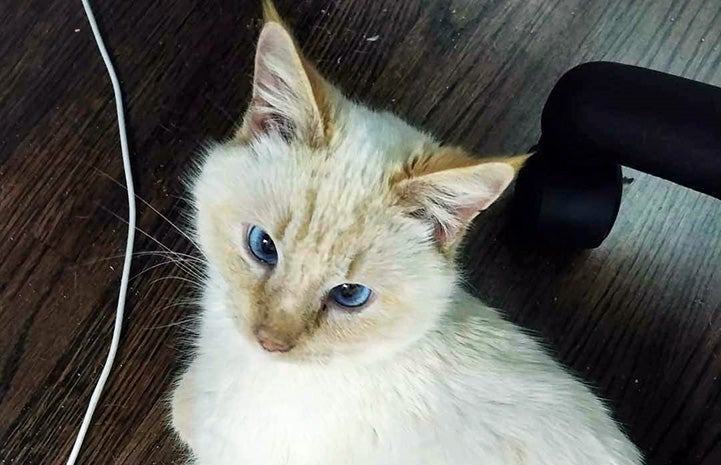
<point>128,247</point>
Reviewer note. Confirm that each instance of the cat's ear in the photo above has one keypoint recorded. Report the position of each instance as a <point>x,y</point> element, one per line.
<point>449,190</point>
<point>289,96</point>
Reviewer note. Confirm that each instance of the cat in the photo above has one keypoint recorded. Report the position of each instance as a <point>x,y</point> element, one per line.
<point>333,327</point>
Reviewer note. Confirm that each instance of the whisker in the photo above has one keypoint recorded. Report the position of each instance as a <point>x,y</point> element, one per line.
<point>186,267</point>
<point>115,215</point>
<point>188,303</point>
<point>147,204</point>
<point>150,268</point>
<point>160,253</point>
<point>169,325</point>
<point>178,278</point>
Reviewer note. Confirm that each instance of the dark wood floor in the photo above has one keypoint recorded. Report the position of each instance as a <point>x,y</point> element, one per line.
<point>639,317</point>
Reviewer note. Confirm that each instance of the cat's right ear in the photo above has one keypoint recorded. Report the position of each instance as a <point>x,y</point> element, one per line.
<point>289,97</point>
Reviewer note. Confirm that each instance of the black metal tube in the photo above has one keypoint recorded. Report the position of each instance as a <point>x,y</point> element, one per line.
<point>651,121</point>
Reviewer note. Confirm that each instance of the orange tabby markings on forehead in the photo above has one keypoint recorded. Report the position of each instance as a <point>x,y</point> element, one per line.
<point>308,210</point>
<point>282,226</point>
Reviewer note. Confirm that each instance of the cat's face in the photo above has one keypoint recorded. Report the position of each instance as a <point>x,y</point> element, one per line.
<point>332,226</point>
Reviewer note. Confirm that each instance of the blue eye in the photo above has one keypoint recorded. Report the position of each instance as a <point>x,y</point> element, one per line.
<point>262,246</point>
<point>350,295</point>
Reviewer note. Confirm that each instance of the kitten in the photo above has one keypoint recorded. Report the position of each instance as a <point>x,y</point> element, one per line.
<point>334,330</point>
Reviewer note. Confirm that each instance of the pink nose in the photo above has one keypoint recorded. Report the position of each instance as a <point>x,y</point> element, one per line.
<point>271,343</point>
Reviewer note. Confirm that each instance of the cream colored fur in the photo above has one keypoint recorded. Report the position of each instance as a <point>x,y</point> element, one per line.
<point>425,374</point>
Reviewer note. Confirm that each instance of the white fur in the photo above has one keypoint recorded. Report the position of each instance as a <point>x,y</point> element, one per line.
<point>470,388</point>
<point>474,390</point>
<point>425,375</point>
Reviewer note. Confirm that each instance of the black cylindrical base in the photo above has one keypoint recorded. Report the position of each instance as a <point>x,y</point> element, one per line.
<point>566,205</point>
<point>603,115</point>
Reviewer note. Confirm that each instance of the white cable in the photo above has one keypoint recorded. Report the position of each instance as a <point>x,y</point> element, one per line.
<point>128,247</point>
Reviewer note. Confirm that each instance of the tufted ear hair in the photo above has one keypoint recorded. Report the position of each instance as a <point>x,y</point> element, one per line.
<point>290,97</point>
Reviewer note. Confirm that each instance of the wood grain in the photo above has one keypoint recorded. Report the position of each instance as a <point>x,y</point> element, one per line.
<point>639,317</point>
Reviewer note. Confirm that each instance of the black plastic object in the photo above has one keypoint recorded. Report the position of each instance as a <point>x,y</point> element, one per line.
<point>602,115</point>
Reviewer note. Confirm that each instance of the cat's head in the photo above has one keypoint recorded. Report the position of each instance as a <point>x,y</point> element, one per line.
<point>331,227</point>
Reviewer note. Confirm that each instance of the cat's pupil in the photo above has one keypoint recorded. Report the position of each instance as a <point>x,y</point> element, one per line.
<point>267,245</point>
<point>348,291</point>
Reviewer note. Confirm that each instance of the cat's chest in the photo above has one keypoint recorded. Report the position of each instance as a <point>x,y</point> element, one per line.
<point>259,418</point>
<point>252,419</point>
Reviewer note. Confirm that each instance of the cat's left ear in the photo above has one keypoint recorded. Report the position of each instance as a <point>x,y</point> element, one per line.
<point>451,197</point>
<point>290,97</point>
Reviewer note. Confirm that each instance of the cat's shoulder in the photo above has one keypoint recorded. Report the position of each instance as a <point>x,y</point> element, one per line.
<point>473,330</point>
